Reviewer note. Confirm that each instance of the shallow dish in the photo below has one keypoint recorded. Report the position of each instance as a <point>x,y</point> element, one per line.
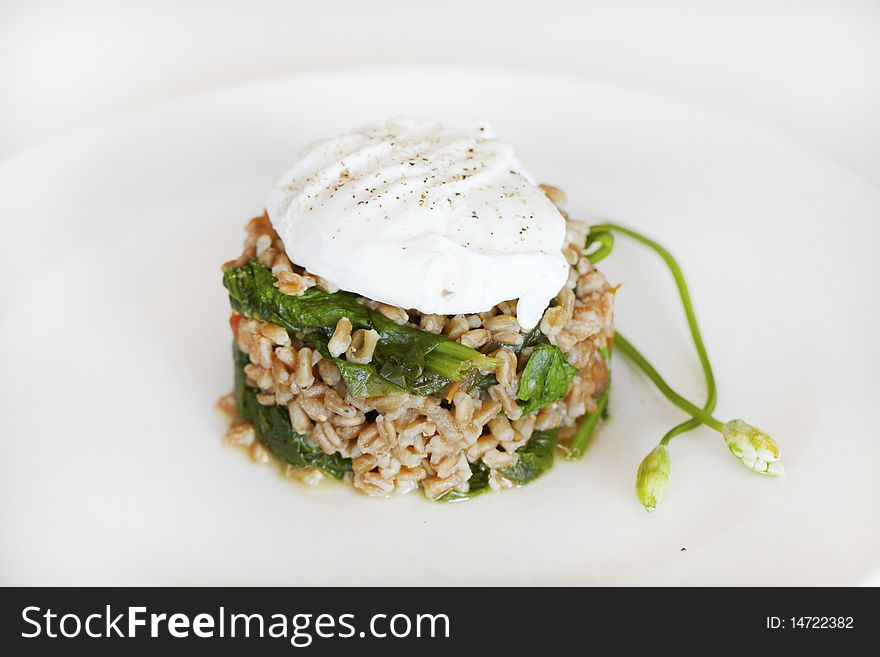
<point>114,352</point>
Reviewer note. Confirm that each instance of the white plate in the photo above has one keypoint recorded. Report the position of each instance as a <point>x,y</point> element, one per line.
<point>114,347</point>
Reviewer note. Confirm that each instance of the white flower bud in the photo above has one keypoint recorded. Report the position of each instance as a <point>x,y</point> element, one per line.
<point>653,477</point>
<point>754,448</point>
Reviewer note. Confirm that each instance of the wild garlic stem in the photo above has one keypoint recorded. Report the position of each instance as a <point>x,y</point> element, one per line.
<point>453,360</point>
<point>697,413</point>
<point>690,315</point>
<point>604,238</point>
<point>584,433</point>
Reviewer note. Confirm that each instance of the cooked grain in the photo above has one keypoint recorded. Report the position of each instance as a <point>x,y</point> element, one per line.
<point>363,344</point>
<point>341,338</point>
<point>421,441</point>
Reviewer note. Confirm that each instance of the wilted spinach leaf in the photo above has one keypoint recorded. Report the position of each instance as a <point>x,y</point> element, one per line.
<point>535,458</point>
<point>252,293</point>
<point>545,378</point>
<point>406,357</point>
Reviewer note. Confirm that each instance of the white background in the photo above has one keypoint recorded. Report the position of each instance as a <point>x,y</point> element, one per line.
<point>809,68</point>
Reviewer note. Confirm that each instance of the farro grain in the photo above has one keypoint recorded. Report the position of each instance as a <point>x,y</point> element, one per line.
<point>388,434</point>
<point>299,419</point>
<point>369,441</point>
<point>463,405</point>
<point>281,263</point>
<point>411,473</point>
<point>481,446</point>
<point>565,340</point>
<point>226,404</point>
<point>584,326</point>
<point>525,426</point>
<point>502,324</point>
<point>363,463</point>
<point>444,422</point>
<point>330,434</point>
<point>572,253</point>
<point>240,433</point>
<point>341,338</point>
<point>475,338</point>
<point>293,284</point>
<point>263,244</point>
<point>363,344</point>
<point>488,410</point>
<point>304,374</point>
<point>372,483</point>
<point>553,321</point>
<point>317,389</point>
<point>590,283</point>
<point>433,323</point>
<point>307,476</point>
<point>274,333</point>
<point>259,454</point>
<point>579,355</point>
<point>329,373</point>
<point>286,355</point>
<point>508,403</point>
<point>324,285</point>
<point>556,195</point>
<point>265,347</point>
<point>456,327</point>
<point>548,418</point>
<point>505,373</point>
<point>507,308</point>
<point>338,405</point>
<point>501,429</point>
<point>566,300</point>
<point>497,482</point>
<point>508,338</point>
<point>395,314</point>
<point>495,459</point>
<point>315,409</point>
<point>434,487</point>
<point>266,399</point>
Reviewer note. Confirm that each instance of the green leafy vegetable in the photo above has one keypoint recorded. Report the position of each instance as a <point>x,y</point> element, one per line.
<point>406,357</point>
<point>605,238</point>
<point>272,428</point>
<point>252,293</point>
<point>545,378</point>
<point>535,458</point>
<point>403,356</point>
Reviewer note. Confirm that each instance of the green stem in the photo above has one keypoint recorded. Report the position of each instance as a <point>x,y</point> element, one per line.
<point>453,360</point>
<point>628,350</point>
<point>584,434</point>
<point>687,304</point>
<point>606,241</point>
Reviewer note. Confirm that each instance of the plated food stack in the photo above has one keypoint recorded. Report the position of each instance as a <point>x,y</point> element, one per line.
<point>335,382</point>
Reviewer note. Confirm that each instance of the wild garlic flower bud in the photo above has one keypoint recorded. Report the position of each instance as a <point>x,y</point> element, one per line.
<point>653,477</point>
<point>754,448</point>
